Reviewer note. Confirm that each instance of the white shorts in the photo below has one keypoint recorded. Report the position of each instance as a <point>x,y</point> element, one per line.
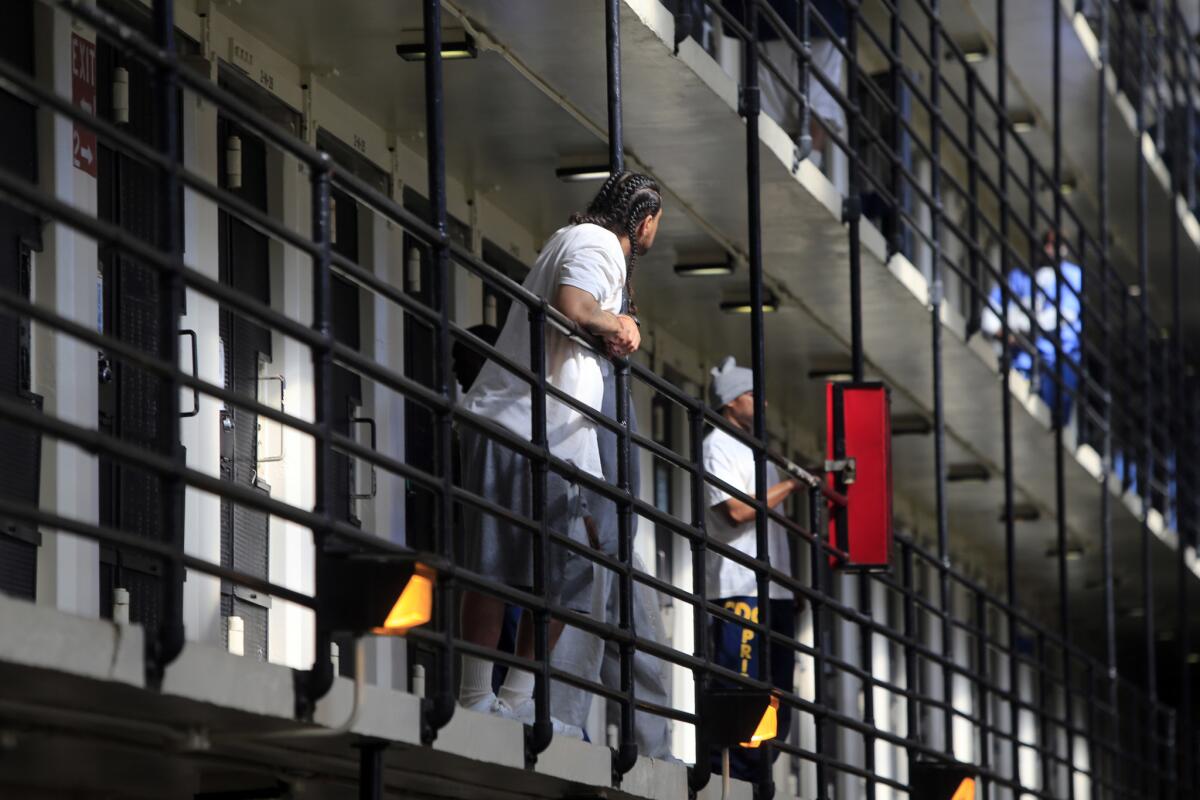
<point>781,105</point>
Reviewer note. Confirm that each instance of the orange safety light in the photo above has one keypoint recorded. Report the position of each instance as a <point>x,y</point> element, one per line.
<point>942,780</point>
<point>414,607</point>
<point>965,790</point>
<point>768,725</point>
<point>359,593</point>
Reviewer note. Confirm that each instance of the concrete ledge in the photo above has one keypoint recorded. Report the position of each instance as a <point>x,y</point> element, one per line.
<point>658,780</point>
<point>40,636</point>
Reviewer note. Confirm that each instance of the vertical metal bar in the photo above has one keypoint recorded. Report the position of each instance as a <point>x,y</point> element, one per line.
<point>627,750</point>
<point>1010,555</point>
<point>538,737</point>
<point>936,295</point>
<point>167,642</point>
<point>911,677</point>
<point>975,310</point>
<point>983,676</point>
<point>699,774</point>
<point>1176,371</point>
<point>441,706</point>
<point>1060,399</point>
<point>1146,466</point>
<point>1044,747</point>
<point>895,44</point>
<point>370,770</point>
<point>819,570</point>
<point>626,755</point>
<point>750,108</point>
<point>313,684</point>
<point>852,205</point>
<point>852,215</point>
<point>1106,533</point>
<point>612,50</point>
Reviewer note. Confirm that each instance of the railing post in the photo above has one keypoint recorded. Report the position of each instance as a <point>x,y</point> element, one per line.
<point>1146,465</point>
<point>438,709</point>
<point>750,108</point>
<point>1060,398</point>
<point>698,775</point>
<point>164,644</point>
<point>626,756</point>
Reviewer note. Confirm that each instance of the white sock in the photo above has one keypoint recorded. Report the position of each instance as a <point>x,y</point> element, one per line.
<point>517,688</point>
<point>476,681</point>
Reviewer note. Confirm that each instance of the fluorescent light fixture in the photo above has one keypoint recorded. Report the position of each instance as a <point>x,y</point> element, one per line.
<point>456,46</point>
<point>967,471</point>
<point>1193,658</point>
<point>587,172</point>
<point>911,425</point>
<point>1023,512</point>
<point>974,50</point>
<point>1135,290</point>
<point>705,268</point>
<point>1074,552</point>
<point>770,305</point>
<point>1022,122</point>
<point>1067,186</point>
<point>835,374</point>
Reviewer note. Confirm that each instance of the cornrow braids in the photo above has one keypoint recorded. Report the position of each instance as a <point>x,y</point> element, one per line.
<point>624,200</point>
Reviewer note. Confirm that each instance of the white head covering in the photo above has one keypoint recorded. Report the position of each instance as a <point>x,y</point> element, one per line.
<point>729,382</point>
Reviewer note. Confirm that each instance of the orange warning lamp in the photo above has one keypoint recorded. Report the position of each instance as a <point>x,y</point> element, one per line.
<point>358,594</point>
<point>768,725</point>
<point>942,780</point>
<point>739,717</point>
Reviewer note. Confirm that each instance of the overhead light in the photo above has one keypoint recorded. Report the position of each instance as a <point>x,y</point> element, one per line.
<point>1023,512</point>
<point>769,306</point>
<point>1074,552</point>
<point>1135,613</point>
<point>583,173</point>
<point>707,268</point>
<point>974,50</point>
<point>739,717</point>
<point>357,594</point>
<point>456,45</point>
<point>1023,122</point>
<point>838,374</point>
<point>967,471</point>
<point>911,425</point>
<point>1135,290</point>
<point>1193,658</point>
<point>1067,186</point>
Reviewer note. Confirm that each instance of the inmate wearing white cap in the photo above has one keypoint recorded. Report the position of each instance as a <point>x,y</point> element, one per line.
<point>729,382</point>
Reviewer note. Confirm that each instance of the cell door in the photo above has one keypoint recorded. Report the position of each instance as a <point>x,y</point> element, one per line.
<point>246,355</point>
<point>20,235</point>
<point>129,195</point>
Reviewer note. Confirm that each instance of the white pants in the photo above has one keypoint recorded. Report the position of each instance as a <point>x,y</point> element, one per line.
<point>781,105</point>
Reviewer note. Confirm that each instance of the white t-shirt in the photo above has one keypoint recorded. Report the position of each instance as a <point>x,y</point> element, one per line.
<point>588,257</point>
<point>731,461</point>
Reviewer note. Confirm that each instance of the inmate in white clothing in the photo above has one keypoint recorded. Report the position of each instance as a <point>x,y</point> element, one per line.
<point>588,257</point>
<point>732,461</point>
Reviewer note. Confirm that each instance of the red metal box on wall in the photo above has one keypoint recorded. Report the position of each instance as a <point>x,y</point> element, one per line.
<point>859,445</point>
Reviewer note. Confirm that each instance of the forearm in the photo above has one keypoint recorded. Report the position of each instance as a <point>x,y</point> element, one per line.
<point>583,309</point>
<point>740,513</point>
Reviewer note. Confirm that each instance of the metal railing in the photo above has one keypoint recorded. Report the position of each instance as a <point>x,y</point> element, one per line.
<point>1031,692</point>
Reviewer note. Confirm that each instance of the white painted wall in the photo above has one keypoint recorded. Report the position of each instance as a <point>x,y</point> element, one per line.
<point>201,434</point>
<point>64,370</point>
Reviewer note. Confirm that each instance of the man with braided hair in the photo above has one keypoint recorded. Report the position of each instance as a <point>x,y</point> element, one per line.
<point>585,271</point>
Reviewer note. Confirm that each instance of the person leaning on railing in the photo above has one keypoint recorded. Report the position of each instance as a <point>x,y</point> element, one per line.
<point>585,270</point>
<point>732,521</point>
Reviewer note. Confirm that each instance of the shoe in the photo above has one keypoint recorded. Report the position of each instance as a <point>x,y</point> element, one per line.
<point>490,704</point>
<point>526,709</point>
